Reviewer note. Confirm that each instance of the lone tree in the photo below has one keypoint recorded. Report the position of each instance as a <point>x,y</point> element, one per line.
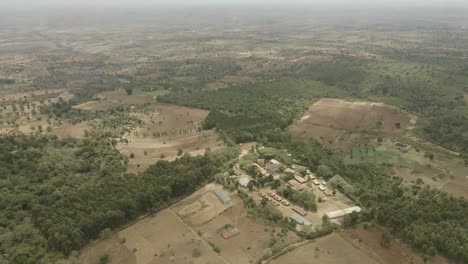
<point>129,91</point>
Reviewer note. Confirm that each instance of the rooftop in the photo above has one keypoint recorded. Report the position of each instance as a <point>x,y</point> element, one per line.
<point>222,195</point>
<point>343,212</point>
<point>301,220</point>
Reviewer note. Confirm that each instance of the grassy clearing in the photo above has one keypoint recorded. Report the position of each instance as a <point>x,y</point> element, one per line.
<point>364,154</point>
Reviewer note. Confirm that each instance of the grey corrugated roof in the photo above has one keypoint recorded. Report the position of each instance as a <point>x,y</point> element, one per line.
<point>298,218</point>
<point>223,196</point>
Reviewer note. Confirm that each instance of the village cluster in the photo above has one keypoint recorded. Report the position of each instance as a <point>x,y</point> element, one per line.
<point>331,203</point>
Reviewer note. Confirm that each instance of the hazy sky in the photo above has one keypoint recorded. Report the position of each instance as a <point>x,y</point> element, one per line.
<point>30,3</point>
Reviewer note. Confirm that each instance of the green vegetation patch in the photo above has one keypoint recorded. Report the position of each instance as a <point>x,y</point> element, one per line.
<point>364,154</point>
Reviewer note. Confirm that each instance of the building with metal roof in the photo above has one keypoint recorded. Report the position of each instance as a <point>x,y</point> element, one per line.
<point>343,212</point>
<point>222,196</point>
<point>299,219</point>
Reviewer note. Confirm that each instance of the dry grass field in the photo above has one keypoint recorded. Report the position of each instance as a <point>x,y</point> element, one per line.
<point>337,122</point>
<point>332,249</point>
<point>192,223</point>
<point>113,99</point>
<point>445,172</point>
<point>198,210</point>
<point>251,243</point>
<point>143,243</point>
<point>166,130</point>
<point>357,245</point>
<point>36,95</point>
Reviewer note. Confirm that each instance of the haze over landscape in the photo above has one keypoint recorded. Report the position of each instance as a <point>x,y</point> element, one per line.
<point>144,132</point>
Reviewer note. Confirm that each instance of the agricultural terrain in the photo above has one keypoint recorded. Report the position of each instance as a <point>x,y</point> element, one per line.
<point>233,135</point>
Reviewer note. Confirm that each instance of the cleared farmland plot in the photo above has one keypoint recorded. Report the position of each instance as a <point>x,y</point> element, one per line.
<point>337,123</point>
<point>168,132</point>
<point>357,245</point>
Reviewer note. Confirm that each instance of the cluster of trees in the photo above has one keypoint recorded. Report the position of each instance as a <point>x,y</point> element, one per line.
<point>57,194</point>
<point>304,198</point>
<point>258,111</point>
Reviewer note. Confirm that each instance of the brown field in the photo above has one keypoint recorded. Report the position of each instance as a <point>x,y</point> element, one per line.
<point>163,238</point>
<point>113,99</point>
<point>355,246</point>
<point>166,129</point>
<point>168,238</point>
<point>446,172</point>
<point>198,210</point>
<point>36,95</point>
<point>333,121</point>
<point>69,130</point>
<point>457,187</point>
<point>252,241</point>
<point>333,249</point>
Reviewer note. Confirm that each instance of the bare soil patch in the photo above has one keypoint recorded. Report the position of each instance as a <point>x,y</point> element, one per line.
<point>162,238</point>
<point>36,95</point>
<point>167,130</point>
<point>70,130</point>
<point>253,240</point>
<point>337,122</point>
<point>457,187</point>
<point>198,210</point>
<point>332,249</point>
<point>112,99</point>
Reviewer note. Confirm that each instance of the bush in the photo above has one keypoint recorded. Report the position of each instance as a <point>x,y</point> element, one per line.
<point>104,259</point>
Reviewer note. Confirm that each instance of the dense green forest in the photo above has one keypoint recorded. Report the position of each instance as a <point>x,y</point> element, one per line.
<point>57,194</point>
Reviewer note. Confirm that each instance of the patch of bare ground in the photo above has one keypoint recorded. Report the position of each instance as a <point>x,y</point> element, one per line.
<point>168,132</point>
<point>458,187</point>
<point>70,130</point>
<point>162,238</point>
<point>255,239</point>
<point>332,249</point>
<point>445,172</point>
<point>358,245</point>
<point>197,210</point>
<point>112,99</point>
<point>36,95</point>
<point>337,123</point>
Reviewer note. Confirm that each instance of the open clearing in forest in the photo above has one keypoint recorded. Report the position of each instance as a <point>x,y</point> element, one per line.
<point>354,246</point>
<point>167,130</point>
<point>337,123</point>
<point>113,99</point>
<point>445,172</point>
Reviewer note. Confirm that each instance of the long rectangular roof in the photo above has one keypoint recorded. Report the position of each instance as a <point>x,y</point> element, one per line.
<point>343,212</point>
<point>298,218</point>
<point>222,195</point>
